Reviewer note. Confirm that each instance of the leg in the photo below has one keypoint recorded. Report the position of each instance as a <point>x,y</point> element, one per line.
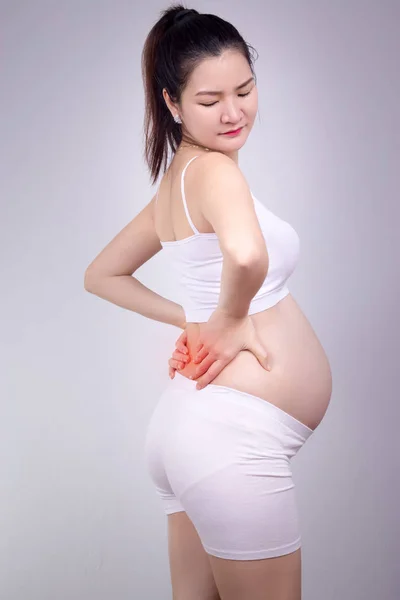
<point>225,462</point>
<point>191,574</point>
<point>248,525</point>
<point>276,578</point>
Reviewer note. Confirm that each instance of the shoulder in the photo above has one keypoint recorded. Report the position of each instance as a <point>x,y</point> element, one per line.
<point>213,158</point>
<point>212,167</point>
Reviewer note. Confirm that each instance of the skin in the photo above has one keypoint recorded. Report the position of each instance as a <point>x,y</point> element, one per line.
<point>203,125</point>
<point>195,574</point>
<point>109,275</point>
<point>229,109</point>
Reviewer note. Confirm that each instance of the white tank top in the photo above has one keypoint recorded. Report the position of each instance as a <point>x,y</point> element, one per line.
<point>196,262</point>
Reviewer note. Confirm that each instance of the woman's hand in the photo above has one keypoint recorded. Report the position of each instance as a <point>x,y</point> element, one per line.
<point>220,339</point>
<point>180,356</point>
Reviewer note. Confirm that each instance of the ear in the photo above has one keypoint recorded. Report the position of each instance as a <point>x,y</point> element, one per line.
<point>168,101</point>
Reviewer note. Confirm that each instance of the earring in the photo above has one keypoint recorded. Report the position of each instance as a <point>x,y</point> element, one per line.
<point>177,119</point>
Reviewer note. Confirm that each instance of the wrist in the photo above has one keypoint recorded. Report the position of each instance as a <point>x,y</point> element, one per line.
<point>180,320</point>
<point>225,314</point>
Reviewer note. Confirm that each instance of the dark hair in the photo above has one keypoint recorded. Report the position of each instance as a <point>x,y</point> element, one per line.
<point>175,45</point>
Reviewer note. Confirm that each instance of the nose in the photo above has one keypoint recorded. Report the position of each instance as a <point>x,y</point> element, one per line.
<point>232,113</point>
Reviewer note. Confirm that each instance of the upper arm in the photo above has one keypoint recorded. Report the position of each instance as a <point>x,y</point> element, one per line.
<point>226,202</point>
<point>134,245</point>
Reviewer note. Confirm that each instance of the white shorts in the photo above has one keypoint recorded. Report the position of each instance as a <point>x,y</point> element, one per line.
<point>223,456</point>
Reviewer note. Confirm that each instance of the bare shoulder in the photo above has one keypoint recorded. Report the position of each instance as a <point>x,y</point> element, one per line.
<point>225,200</point>
<point>215,169</point>
<point>210,163</point>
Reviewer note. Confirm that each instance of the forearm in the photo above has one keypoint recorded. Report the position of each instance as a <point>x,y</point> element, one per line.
<point>128,292</point>
<point>239,284</point>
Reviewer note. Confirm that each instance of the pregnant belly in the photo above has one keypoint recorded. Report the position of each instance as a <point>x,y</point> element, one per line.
<point>300,380</point>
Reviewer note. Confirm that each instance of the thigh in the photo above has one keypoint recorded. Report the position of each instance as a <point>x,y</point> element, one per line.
<point>225,457</point>
<point>228,465</point>
<point>247,523</point>
<point>276,578</point>
<point>191,574</point>
<point>242,513</point>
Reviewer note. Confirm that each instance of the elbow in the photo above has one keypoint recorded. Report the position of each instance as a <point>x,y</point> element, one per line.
<point>89,281</point>
<point>94,280</point>
<point>247,252</point>
<point>253,259</point>
<point>259,263</point>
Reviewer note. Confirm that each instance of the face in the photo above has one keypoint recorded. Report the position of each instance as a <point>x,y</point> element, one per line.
<point>227,105</point>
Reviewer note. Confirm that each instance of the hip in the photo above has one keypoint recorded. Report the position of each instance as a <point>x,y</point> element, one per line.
<point>196,432</point>
<point>300,380</point>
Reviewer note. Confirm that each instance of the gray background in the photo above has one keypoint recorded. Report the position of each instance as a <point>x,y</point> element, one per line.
<point>79,517</point>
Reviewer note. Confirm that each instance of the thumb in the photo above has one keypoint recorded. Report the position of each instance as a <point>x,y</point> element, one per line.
<point>261,355</point>
<point>182,339</point>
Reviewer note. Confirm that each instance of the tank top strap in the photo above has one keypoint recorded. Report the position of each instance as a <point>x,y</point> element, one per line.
<point>184,198</point>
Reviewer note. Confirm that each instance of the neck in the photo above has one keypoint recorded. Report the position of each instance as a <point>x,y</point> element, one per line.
<point>234,155</point>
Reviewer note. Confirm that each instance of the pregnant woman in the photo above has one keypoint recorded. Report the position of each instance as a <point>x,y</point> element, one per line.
<point>219,456</point>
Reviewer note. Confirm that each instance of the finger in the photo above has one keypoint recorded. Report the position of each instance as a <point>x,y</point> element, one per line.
<point>179,356</point>
<point>181,342</point>
<point>176,364</point>
<point>200,355</point>
<point>182,348</point>
<point>199,346</point>
<point>203,366</point>
<point>211,374</point>
<point>172,364</point>
<point>261,354</point>
<point>262,358</point>
<point>171,373</point>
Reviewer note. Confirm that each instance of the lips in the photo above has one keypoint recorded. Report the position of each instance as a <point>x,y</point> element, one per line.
<point>232,131</point>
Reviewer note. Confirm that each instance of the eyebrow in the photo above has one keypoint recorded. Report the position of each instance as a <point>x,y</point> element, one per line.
<point>214,93</point>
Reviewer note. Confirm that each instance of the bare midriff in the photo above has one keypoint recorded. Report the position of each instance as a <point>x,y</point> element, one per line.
<point>300,380</point>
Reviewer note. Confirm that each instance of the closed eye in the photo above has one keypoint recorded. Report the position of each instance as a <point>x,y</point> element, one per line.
<point>212,104</point>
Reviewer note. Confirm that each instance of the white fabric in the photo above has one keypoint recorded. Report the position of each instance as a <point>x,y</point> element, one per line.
<point>196,262</point>
<point>223,456</point>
